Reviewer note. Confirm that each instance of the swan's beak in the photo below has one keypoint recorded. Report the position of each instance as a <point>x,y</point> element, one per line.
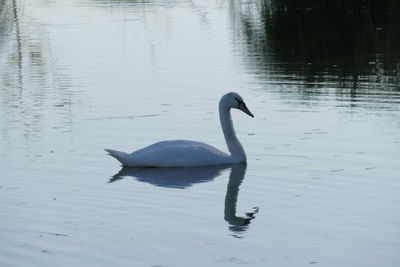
<point>244,108</point>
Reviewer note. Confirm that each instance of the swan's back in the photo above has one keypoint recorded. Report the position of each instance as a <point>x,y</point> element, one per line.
<point>174,153</point>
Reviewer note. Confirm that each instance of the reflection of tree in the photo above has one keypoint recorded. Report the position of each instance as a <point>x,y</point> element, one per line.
<point>5,20</point>
<point>19,45</point>
<point>29,80</point>
<point>355,43</point>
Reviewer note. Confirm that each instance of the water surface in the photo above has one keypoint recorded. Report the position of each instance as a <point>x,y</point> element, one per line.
<point>321,186</point>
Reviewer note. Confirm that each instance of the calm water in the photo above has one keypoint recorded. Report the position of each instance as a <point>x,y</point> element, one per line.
<point>321,186</point>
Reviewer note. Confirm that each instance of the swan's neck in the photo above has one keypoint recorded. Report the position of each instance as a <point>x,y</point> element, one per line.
<point>234,146</point>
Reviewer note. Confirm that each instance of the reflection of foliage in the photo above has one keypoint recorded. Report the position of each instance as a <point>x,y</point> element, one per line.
<point>2,7</point>
<point>5,19</point>
<point>29,79</point>
<point>344,27</point>
<point>348,39</point>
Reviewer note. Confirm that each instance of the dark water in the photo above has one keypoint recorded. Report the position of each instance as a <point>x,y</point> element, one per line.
<point>321,186</point>
<point>352,45</point>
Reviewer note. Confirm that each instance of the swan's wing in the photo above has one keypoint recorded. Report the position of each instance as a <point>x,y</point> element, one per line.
<point>178,153</point>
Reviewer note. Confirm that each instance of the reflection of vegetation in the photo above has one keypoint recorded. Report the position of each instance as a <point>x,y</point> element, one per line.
<point>28,79</point>
<point>5,19</point>
<point>354,42</point>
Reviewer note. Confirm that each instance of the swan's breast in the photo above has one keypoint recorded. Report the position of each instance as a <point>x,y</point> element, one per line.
<point>178,153</point>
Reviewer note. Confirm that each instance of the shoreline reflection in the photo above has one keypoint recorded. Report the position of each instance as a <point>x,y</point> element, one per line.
<point>349,45</point>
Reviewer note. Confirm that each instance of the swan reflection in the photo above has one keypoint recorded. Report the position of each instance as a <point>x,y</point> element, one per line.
<point>237,224</point>
<point>171,177</point>
<point>185,177</point>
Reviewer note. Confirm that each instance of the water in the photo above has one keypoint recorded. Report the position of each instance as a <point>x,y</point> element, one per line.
<point>321,186</point>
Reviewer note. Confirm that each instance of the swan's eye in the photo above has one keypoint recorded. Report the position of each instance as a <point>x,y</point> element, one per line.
<point>239,102</point>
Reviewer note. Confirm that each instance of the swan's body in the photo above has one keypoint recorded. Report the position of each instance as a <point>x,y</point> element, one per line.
<point>185,153</point>
<point>174,153</point>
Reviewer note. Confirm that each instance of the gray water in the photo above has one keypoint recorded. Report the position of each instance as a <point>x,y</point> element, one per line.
<point>321,186</point>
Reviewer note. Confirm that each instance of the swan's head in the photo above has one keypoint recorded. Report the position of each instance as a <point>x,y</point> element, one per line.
<point>234,100</point>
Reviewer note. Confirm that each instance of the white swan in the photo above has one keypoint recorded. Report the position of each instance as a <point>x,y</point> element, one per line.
<point>184,153</point>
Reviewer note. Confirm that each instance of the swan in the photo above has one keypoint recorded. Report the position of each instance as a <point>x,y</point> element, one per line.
<point>185,153</point>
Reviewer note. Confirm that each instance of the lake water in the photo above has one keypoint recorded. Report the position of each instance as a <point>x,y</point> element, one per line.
<point>322,183</point>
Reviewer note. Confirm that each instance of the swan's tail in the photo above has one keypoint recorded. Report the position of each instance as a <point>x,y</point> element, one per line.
<point>120,156</point>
